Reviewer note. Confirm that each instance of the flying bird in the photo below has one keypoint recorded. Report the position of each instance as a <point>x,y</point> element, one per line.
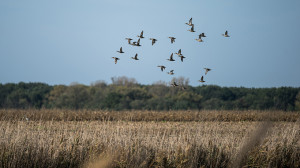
<point>129,40</point>
<point>171,72</point>
<point>116,59</point>
<point>141,35</point>
<point>192,29</point>
<point>171,58</point>
<point>172,39</point>
<point>203,35</point>
<point>201,80</point>
<point>199,39</point>
<point>174,84</point>
<point>135,57</point>
<point>133,44</point>
<point>136,43</point>
<point>153,40</point>
<point>121,51</point>
<point>161,67</point>
<point>181,57</point>
<point>206,70</point>
<point>190,22</point>
<point>179,52</point>
<point>226,34</point>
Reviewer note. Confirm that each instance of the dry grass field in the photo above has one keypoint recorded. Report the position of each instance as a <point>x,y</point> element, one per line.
<point>66,138</point>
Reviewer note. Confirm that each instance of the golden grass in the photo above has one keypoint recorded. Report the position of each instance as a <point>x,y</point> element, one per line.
<point>136,115</point>
<point>164,142</point>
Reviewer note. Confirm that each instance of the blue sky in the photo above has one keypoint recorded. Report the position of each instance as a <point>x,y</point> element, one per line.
<point>60,42</point>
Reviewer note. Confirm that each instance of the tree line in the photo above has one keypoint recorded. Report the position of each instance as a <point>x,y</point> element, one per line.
<point>126,94</point>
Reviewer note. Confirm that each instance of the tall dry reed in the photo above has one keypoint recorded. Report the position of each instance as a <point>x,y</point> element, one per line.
<point>145,144</point>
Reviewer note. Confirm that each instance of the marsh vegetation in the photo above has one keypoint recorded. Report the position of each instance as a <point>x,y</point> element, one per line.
<point>66,138</point>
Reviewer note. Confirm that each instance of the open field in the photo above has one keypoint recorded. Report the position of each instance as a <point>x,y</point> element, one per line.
<point>65,138</point>
<point>136,115</point>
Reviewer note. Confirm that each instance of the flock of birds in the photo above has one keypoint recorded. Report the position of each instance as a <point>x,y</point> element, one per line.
<point>162,67</point>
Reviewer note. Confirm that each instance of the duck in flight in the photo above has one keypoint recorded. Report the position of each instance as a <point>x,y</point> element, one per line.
<point>135,57</point>
<point>153,40</point>
<point>161,67</point>
<point>174,84</point>
<point>171,58</point>
<point>171,72</point>
<point>121,51</point>
<point>226,34</point>
<point>181,57</point>
<point>199,39</point>
<point>141,35</point>
<point>172,39</point>
<point>179,52</point>
<point>192,29</point>
<point>206,70</point>
<point>136,43</point>
<point>190,22</point>
<point>201,80</point>
<point>116,59</point>
<point>129,40</point>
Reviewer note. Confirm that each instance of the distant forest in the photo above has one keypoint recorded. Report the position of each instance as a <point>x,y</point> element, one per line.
<point>126,94</point>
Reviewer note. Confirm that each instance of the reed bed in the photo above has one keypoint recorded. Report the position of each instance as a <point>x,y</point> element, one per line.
<point>150,143</point>
<point>135,115</point>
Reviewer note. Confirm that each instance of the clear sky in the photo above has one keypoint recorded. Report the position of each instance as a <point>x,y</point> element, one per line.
<point>65,41</point>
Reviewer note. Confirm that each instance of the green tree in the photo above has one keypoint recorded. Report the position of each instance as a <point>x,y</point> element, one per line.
<point>56,98</point>
<point>297,102</point>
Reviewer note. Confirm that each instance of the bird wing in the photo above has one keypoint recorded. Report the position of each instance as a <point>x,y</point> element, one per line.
<point>142,33</point>
<point>202,78</point>
<point>179,52</point>
<point>121,49</point>
<point>171,57</point>
<point>226,33</point>
<point>190,21</point>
